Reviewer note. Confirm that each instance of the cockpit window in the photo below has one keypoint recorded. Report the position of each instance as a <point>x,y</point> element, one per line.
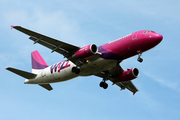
<point>149,31</point>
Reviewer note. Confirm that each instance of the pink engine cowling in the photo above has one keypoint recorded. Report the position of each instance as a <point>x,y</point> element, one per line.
<point>86,51</point>
<point>128,75</point>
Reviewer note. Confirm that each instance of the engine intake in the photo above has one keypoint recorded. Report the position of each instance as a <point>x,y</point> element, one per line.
<point>128,75</point>
<point>86,51</point>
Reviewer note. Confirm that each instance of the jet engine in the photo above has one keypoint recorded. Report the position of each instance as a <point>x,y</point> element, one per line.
<point>86,51</point>
<point>128,75</point>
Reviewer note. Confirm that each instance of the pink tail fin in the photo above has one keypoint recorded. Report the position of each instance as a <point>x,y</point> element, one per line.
<point>38,62</point>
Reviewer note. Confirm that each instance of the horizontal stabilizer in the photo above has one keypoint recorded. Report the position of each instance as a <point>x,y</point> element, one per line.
<point>24,74</point>
<point>46,86</point>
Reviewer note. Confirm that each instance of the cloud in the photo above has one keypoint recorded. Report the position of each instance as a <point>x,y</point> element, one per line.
<point>174,85</point>
<point>149,100</point>
<point>42,21</point>
<point>55,24</point>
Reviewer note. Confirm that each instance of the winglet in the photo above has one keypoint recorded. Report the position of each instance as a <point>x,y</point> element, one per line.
<point>133,93</point>
<point>12,27</point>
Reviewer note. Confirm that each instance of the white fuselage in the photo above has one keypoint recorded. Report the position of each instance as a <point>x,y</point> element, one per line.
<point>62,71</point>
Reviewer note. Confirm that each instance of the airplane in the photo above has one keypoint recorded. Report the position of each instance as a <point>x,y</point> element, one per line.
<point>103,61</point>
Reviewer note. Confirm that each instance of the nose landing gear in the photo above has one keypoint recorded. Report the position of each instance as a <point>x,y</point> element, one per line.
<point>139,57</point>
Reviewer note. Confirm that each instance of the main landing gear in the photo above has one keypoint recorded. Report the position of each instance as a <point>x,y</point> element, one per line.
<point>76,70</point>
<point>103,84</point>
<point>139,57</point>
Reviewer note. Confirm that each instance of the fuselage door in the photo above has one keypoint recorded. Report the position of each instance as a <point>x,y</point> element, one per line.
<point>134,35</point>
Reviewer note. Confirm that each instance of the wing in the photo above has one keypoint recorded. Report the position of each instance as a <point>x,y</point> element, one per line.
<point>63,48</point>
<point>112,74</point>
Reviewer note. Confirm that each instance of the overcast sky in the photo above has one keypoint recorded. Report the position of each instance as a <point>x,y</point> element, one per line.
<point>83,22</point>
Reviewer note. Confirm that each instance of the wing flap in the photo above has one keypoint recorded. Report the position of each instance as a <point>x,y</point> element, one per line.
<point>129,85</point>
<point>50,46</point>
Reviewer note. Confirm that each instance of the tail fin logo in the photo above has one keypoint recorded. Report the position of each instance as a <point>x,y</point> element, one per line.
<point>37,61</point>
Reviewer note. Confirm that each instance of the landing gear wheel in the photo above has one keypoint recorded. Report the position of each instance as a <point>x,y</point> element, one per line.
<point>76,70</point>
<point>103,85</point>
<point>140,60</point>
<point>73,69</point>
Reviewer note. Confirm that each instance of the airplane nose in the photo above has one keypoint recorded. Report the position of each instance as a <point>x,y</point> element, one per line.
<point>159,37</point>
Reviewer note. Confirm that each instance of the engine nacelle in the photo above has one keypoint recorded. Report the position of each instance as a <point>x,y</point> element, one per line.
<point>86,51</point>
<point>128,75</point>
